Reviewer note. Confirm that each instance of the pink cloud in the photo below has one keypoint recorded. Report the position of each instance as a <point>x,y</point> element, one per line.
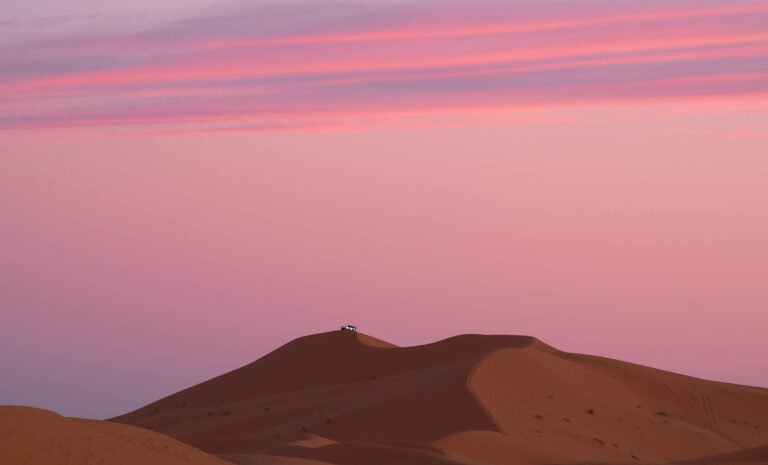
<point>362,59</point>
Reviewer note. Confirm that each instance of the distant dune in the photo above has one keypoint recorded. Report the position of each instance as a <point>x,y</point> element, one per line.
<point>345,398</point>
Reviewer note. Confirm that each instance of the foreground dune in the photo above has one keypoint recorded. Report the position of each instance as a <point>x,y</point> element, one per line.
<point>347,398</point>
<point>38,437</point>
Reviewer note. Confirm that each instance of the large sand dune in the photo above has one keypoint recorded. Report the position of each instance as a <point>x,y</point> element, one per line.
<point>347,398</point>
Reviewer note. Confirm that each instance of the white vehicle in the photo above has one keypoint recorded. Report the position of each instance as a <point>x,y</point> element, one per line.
<point>349,328</point>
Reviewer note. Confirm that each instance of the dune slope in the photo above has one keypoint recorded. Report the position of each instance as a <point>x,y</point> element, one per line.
<point>343,386</point>
<point>601,409</point>
<point>31,436</point>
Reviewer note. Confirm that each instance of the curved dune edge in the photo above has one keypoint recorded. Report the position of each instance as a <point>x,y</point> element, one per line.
<point>596,409</point>
<point>371,341</point>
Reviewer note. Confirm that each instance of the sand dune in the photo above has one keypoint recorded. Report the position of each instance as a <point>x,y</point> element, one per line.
<point>31,436</point>
<point>347,398</point>
<point>599,409</point>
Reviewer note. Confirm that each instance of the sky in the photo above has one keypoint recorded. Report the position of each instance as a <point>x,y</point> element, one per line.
<point>185,186</point>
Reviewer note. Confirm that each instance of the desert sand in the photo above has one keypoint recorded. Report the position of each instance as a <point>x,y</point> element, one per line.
<point>346,398</point>
<point>30,436</point>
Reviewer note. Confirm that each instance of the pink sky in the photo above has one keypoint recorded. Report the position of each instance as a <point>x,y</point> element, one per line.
<point>180,196</point>
<point>307,63</point>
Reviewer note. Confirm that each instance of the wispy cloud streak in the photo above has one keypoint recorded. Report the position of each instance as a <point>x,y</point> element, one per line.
<point>301,63</point>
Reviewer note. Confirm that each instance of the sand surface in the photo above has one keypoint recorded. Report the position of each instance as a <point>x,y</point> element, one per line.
<point>31,436</point>
<point>349,399</point>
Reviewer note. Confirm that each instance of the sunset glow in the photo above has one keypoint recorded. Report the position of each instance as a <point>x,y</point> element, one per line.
<point>266,64</point>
